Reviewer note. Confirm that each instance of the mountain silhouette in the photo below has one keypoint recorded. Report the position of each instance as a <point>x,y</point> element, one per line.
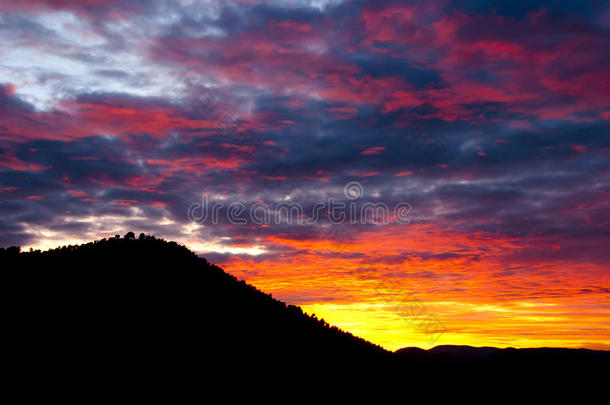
<point>151,305</point>
<point>453,358</point>
<point>153,309</point>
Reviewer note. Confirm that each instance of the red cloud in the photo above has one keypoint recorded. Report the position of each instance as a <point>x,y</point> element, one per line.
<point>376,150</point>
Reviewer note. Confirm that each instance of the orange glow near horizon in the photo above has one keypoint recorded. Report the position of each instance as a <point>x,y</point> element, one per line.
<point>477,302</point>
<point>378,286</point>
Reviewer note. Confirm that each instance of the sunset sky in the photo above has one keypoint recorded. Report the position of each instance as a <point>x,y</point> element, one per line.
<point>491,122</point>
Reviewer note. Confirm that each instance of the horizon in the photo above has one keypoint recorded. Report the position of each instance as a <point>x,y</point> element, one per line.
<point>418,173</point>
<point>426,346</point>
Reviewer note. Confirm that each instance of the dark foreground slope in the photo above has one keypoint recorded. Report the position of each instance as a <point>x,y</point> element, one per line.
<point>145,309</point>
<point>150,306</point>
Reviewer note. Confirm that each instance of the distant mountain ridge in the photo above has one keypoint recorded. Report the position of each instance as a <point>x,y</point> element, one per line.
<point>465,350</point>
<point>547,369</point>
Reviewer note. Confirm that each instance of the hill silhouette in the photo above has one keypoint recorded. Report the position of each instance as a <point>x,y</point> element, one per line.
<point>453,358</point>
<point>146,307</point>
<point>152,305</point>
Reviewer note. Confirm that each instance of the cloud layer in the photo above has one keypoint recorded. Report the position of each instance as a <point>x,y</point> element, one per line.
<point>492,123</point>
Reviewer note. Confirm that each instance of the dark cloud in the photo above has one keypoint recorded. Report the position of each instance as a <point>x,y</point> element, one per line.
<point>480,117</point>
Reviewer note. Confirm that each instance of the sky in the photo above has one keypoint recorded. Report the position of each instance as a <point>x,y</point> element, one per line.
<point>480,130</point>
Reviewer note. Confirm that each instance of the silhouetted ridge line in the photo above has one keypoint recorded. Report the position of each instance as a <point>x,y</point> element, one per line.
<point>147,303</point>
<point>453,358</point>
